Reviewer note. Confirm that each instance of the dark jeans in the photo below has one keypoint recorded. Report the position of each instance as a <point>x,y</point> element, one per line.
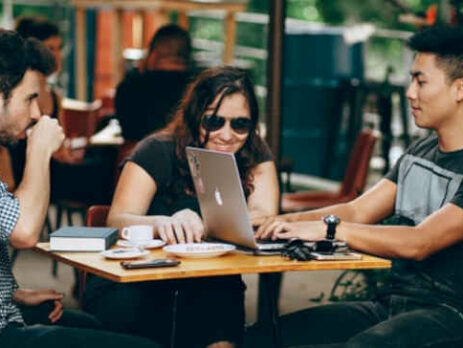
<point>208,309</point>
<point>33,315</point>
<point>58,337</point>
<point>392,321</point>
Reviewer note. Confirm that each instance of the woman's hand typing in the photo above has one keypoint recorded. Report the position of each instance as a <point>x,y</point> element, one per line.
<point>185,226</point>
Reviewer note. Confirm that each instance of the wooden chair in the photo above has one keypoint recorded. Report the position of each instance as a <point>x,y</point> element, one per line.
<point>124,150</point>
<point>96,217</point>
<point>354,180</point>
<point>79,119</point>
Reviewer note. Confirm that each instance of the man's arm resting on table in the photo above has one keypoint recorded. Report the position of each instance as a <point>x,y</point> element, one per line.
<point>371,207</point>
<point>374,205</point>
<point>438,231</point>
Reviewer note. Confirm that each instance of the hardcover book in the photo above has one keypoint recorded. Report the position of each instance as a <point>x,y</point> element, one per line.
<point>79,238</point>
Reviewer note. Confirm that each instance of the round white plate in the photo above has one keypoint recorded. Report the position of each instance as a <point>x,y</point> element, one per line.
<point>121,253</point>
<point>147,244</point>
<point>199,250</point>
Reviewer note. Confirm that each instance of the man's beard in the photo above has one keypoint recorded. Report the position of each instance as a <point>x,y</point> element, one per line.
<point>7,139</point>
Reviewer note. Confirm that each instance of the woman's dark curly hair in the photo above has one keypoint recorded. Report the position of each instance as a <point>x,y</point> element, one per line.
<point>185,127</point>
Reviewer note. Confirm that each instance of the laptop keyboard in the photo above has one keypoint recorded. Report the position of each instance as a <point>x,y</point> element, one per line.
<point>271,241</point>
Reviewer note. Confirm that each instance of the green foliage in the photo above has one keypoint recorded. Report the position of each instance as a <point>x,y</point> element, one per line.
<point>358,285</point>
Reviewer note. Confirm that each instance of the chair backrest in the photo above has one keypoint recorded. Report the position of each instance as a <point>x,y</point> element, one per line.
<point>124,150</point>
<point>97,215</point>
<point>355,178</point>
<point>79,118</point>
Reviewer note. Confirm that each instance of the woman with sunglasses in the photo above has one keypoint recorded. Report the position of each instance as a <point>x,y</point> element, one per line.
<point>219,112</point>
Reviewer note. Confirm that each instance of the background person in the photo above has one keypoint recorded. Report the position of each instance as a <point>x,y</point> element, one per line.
<point>48,33</point>
<point>219,112</point>
<point>421,304</point>
<point>146,98</point>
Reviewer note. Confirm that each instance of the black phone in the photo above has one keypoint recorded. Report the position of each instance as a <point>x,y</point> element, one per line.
<point>150,263</point>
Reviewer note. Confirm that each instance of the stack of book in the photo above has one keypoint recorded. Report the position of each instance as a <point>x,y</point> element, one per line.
<point>73,238</point>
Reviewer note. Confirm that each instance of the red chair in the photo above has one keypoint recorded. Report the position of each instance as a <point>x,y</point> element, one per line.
<point>79,119</point>
<point>354,180</point>
<point>124,150</point>
<point>96,217</point>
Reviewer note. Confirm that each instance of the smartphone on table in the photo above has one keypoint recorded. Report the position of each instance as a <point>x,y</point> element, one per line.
<point>150,263</point>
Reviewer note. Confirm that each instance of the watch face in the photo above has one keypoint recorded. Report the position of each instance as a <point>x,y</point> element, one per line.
<point>331,219</point>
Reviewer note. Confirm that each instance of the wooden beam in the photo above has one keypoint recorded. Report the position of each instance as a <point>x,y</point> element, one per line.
<point>117,46</point>
<point>230,36</point>
<point>183,20</point>
<point>138,29</point>
<point>80,65</point>
<point>171,5</point>
<point>275,45</point>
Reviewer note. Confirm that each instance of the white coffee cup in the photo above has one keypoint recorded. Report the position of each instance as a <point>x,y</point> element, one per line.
<point>136,233</point>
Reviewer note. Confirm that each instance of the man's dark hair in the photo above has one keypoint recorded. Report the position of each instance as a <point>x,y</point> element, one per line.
<point>17,56</point>
<point>39,57</point>
<point>37,27</point>
<point>172,41</point>
<point>13,61</point>
<point>446,43</point>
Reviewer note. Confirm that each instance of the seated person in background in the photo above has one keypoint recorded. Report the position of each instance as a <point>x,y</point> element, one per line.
<point>47,33</point>
<point>22,215</point>
<point>90,174</point>
<point>219,112</point>
<point>422,303</point>
<point>145,99</point>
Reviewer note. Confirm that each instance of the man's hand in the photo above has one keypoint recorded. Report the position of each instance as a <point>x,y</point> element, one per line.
<point>305,230</point>
<point>266,225</point>
<point>47,136</point>
<point>185,226</point>
<point>29,297</point>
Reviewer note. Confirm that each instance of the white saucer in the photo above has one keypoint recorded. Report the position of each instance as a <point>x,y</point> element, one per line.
<point>122,253</point>
<point>147,244</point>
<point>199,250</point>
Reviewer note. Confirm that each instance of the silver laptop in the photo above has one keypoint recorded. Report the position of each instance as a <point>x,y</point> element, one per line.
<point>221,199</point>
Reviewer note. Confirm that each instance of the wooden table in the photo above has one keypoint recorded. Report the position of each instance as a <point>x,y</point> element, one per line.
<point>94,263</point>
<point>230,264</point>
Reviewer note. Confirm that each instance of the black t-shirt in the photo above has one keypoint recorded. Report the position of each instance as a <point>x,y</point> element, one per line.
<point>156,155</point>
<point>144,102</point>
<point>427,179</point>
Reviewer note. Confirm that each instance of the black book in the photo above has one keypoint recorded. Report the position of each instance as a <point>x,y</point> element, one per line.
<point>81,238</point>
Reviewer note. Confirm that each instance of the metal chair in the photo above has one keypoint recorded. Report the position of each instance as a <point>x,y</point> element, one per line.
<point>352,186</point>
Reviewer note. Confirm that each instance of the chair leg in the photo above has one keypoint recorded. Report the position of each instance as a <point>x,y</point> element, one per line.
<point>174,319</point>
<point>59,214</point>
<point>69,216</point>
<point>82,284</point>
<point>270,283</point>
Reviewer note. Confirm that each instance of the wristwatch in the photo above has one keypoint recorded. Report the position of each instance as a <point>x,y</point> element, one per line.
<point>331,222</point>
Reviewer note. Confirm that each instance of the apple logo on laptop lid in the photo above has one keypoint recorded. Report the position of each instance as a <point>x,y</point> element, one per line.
<point>218,197</point>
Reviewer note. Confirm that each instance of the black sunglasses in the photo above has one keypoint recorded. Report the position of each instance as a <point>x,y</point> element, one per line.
<point>240,125</point>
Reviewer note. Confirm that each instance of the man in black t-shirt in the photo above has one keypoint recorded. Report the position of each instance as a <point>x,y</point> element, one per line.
<point>422,303</point>
<point>146,99</point>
